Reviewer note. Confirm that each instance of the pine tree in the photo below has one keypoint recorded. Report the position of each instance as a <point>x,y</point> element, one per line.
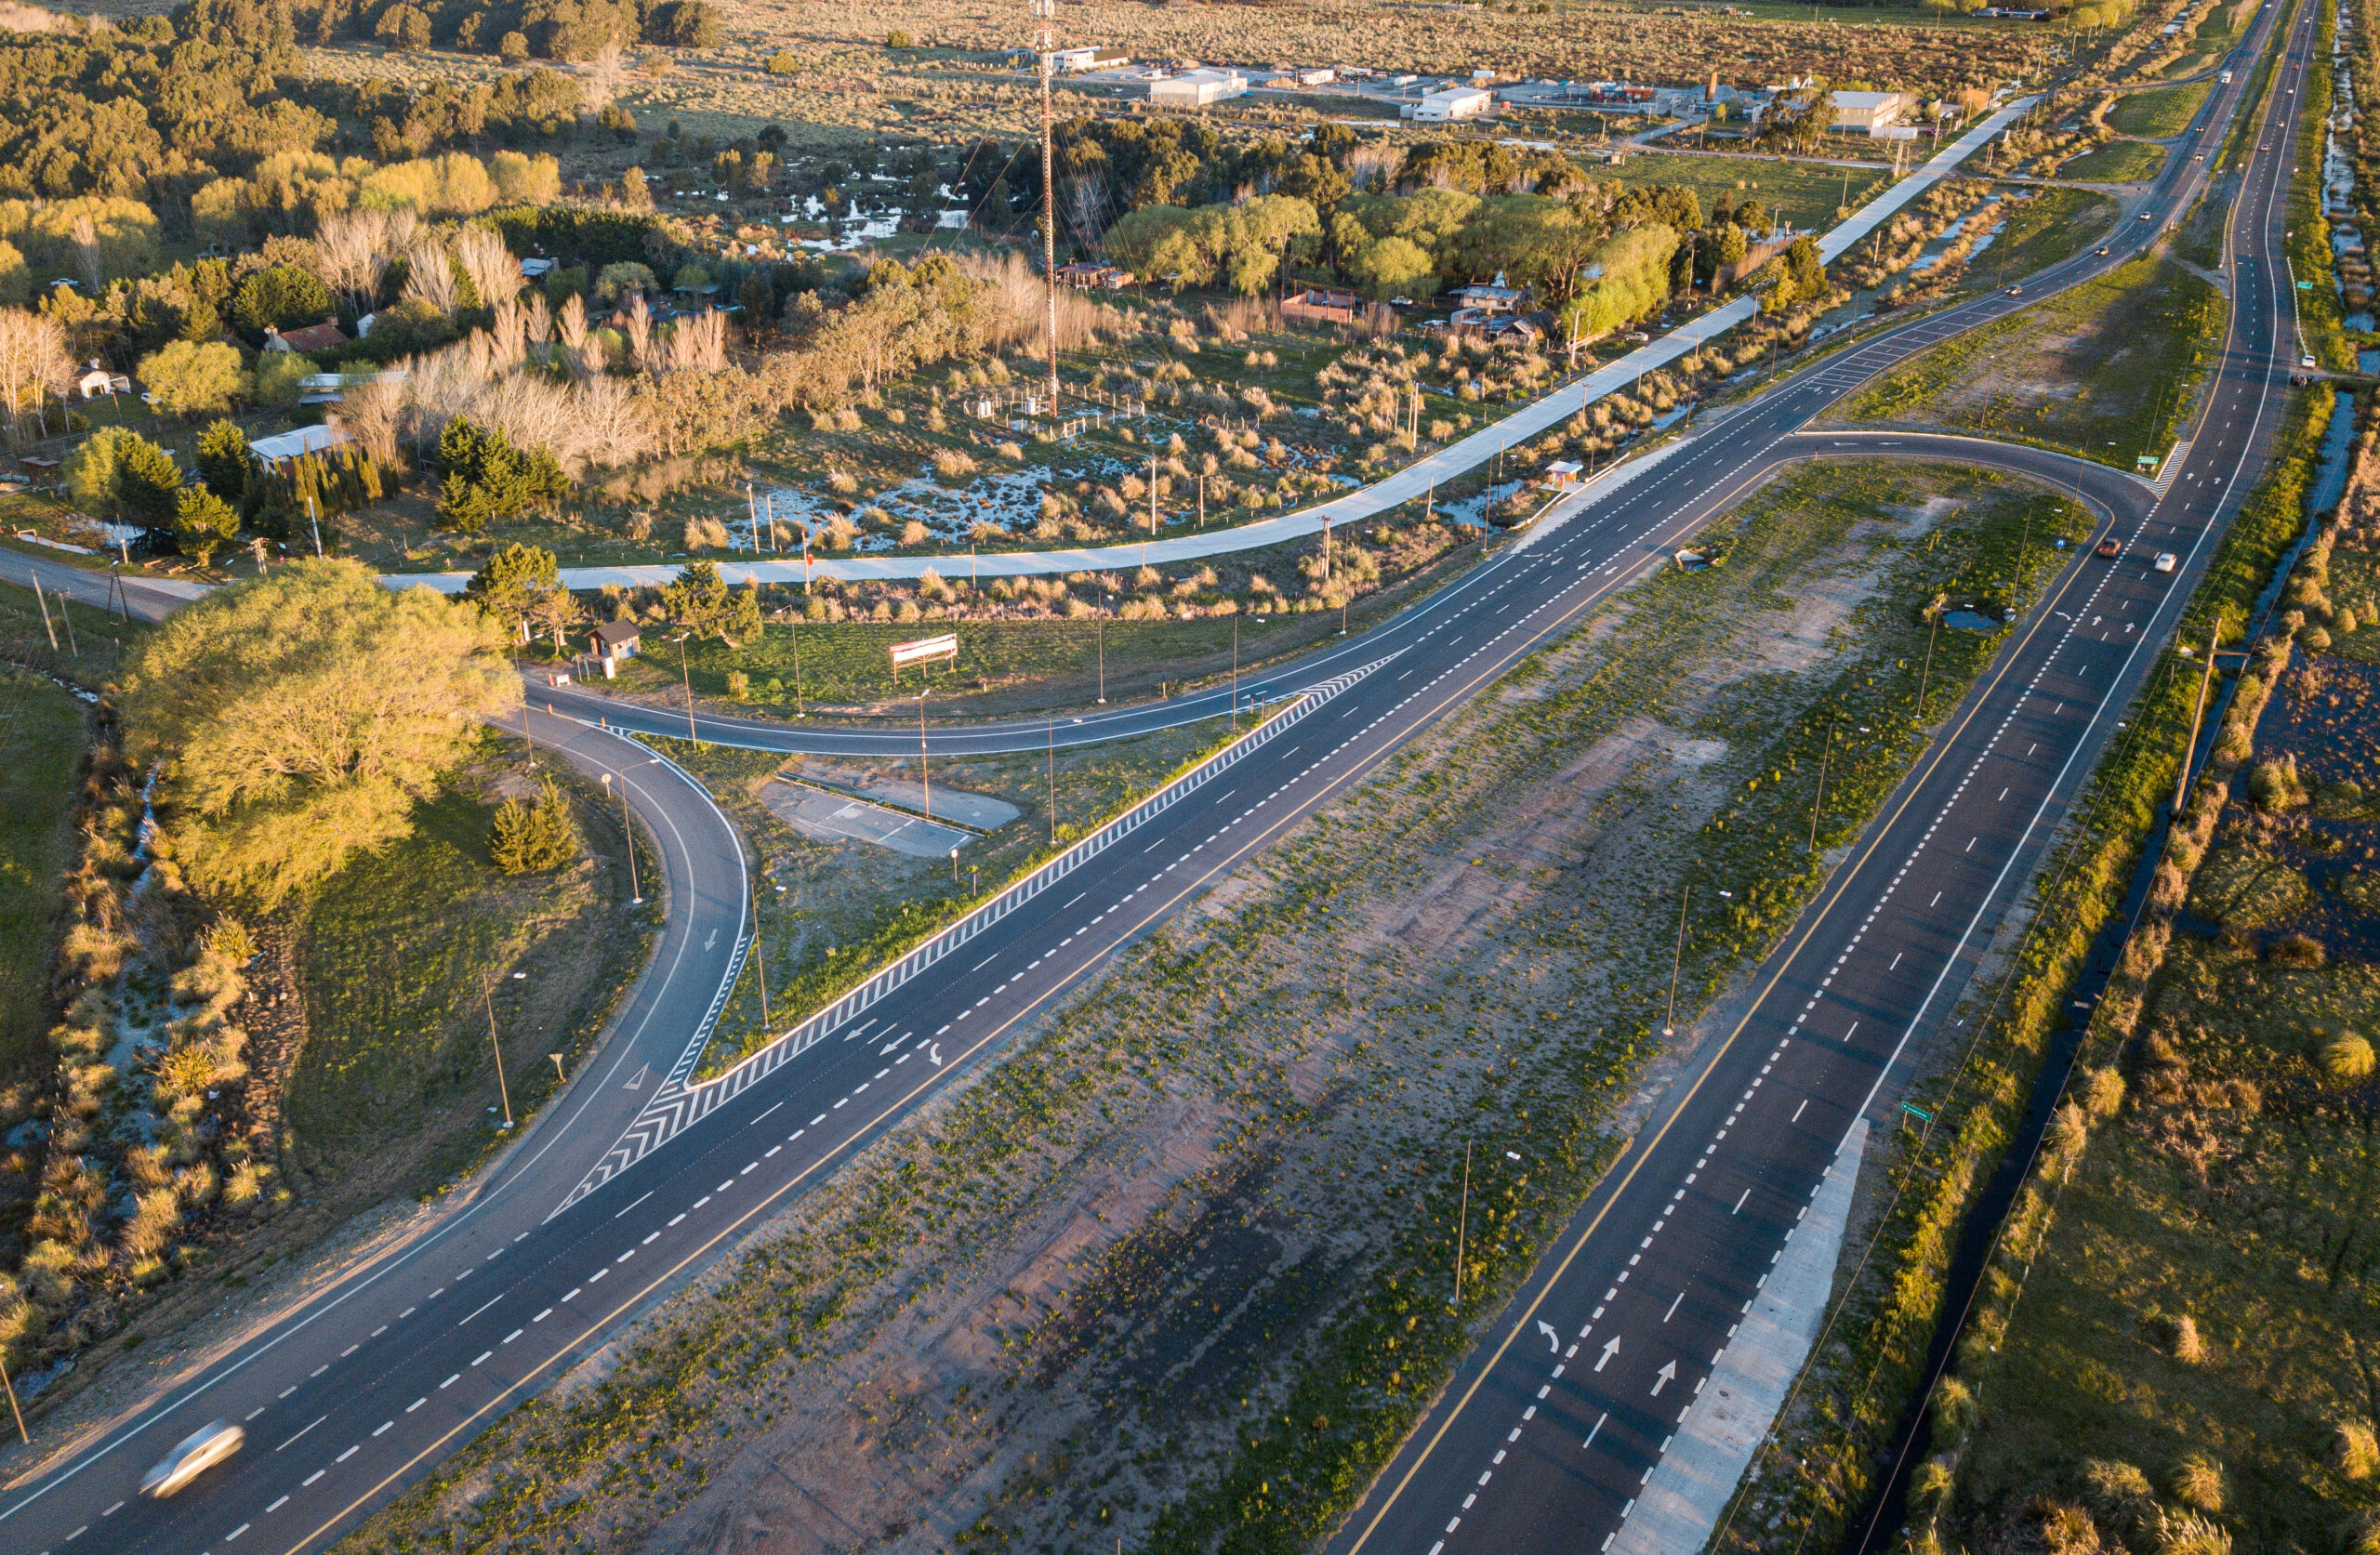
<point>534,841</point>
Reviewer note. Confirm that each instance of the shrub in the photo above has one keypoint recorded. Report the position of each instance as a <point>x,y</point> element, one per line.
<point>513,48</point>
<point>2197,1482</point>
<point>899,38</point>
<point>525,841</point>
<point>2363,1535</point>
<point>2298,950</point>
<point>2355,1453</point>
<point>739,686</point>
<point>2316,638</point>
<point>683,25</point>
<point>782,63</point>
<point>2347,1058</point>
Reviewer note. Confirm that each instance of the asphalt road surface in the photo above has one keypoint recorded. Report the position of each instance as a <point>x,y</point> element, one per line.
<point>373,1382</point>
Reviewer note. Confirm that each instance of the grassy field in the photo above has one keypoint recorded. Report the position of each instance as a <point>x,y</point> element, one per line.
<point>1805,193</point>
<point>42,739</point>
<point>400,955</point>
<point>2233,1192</point>
<point>2055,225</point>
<point>2116,163</point>
<point>1211,1194</point>
<point>2159,114</point>
<point>2103,371</point>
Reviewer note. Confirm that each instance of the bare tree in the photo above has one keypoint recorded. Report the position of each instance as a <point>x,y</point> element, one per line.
<point>540,323</point>
<point>352,257</point>
<point>494,274</point>
<point>698,344</point>
<point>1085,208</point>
<point>86,250</point>
<point>602,77</point>
<point>32,363</point>
<point>430,279</point>
<point>639,332</point>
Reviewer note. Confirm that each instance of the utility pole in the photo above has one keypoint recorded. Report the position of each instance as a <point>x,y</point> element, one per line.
<point>1053,731</point>
<point>1818,804</point>
<point>925,773</point>
<point>1669,1021</point>
<point>1927,676</point>
<point>760,959</point>
<point>1235,671</point>
<point>1462,1223</point>
<point>796,668</point>
<point>686,676</point>
<point>2198,711</point>
<point>20,1414</point>
<point>628,829</point>
<point>1045,11</point>
<point>497,1047</point>
<point>1101,625</point>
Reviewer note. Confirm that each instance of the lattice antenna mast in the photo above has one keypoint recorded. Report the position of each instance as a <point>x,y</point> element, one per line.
<point>1044,13</point>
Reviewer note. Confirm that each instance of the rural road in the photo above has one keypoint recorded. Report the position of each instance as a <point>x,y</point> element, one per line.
<point>619,1194</point>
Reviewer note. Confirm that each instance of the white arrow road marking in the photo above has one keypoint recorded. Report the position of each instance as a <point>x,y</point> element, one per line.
<point>934,1051</point>
<point>1611,1349</point>
<point>712,941</point>
<point>636,1081</point>
<point>1663,1378</point>
<point>1551,1336</point>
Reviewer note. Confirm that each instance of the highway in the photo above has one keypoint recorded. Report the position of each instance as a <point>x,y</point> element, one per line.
<point>637,1176</point>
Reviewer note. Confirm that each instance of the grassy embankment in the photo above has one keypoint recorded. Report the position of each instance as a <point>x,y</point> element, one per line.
<point>42,741</point>
<point>1817,1468</point>
<point>2055,225</point>
<point>2119,161</point>
<point>834,912</point>
<point>2107,371</point>
<point>1456,952</point>
<point>2158,114</point>
<point>404,956</point>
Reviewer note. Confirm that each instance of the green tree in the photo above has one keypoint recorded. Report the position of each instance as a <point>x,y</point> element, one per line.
<point>512,583</point>
<point>707,605</point>
<point>194,379</point>
<point>488,480</point>
<point>281,378</point>
<point>223,459</point>
<point>148,483</point>
<point>204,523</point>
<point>281,296</point>
<point>683,25</point>
<point>525,841</point>
<point>90,469</point>
<point>303,713</point>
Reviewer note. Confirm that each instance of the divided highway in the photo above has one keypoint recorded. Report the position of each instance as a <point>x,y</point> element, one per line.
<point>373,1382</point>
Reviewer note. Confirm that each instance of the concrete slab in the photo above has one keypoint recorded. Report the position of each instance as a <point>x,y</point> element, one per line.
<point>1690,1487</point>
<point>979,811</point>
<point>824,817</point>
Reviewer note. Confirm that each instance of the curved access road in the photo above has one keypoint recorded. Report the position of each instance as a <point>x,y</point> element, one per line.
<point>372,1388</point>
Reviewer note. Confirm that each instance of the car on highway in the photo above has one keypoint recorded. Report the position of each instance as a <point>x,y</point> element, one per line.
<point>2108,547</point>
<point>2306,361</point>
<point>2103,253</point>
<point>2166,561</point>
<point>2015,291</point>
<point>200,1451</point>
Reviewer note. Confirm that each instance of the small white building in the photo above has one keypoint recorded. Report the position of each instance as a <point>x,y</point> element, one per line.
<point>96,380</point>
<point>1870,111</point>
<point>270,452</point>
<point>1198,88</point>
<point>1453,102</point>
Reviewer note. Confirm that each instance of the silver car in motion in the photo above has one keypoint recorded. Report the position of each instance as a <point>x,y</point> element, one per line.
<point>202,1450</point>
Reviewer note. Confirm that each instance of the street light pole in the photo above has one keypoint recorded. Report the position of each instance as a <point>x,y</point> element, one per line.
<point>1053,731</point>
<point>497,1047</point>
<point>925,770</point>
<point>20,1414</point>
<point>1105,600</point>
<point>1462,1223</point>
<point>1669,1021</point>
<point>687,677</point>
<point>760,959</point>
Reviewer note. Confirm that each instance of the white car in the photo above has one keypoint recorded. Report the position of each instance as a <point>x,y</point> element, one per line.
<point>2166,561</point>
<point>202,1450</point>
<point>2306,361</point>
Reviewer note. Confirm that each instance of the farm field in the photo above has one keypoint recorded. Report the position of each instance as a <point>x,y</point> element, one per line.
<point>1446,944</point>
<point>2103,371</point>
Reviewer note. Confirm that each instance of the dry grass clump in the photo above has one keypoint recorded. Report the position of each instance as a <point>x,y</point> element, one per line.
<point>2197,1481</point>
<point>2347,1057</point>
<point>2177,1336</point>
<point>2355,1453</point>
<point>2363,1536</point>
<point>704,534</point>
<point>2190,1534</point>
<point>951,465</point>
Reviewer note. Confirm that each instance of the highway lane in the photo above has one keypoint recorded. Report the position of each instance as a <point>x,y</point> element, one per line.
<point>369,1405</point>
<point>1551,1432</point>
<point>395,1366</point>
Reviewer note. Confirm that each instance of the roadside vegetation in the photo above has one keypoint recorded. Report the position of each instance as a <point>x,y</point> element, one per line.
<point>2108,371</point>
<point>1816,1469</point>
<point>2155,116</point>
<point>2188,1350</point>
<point>1249,1137</point>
